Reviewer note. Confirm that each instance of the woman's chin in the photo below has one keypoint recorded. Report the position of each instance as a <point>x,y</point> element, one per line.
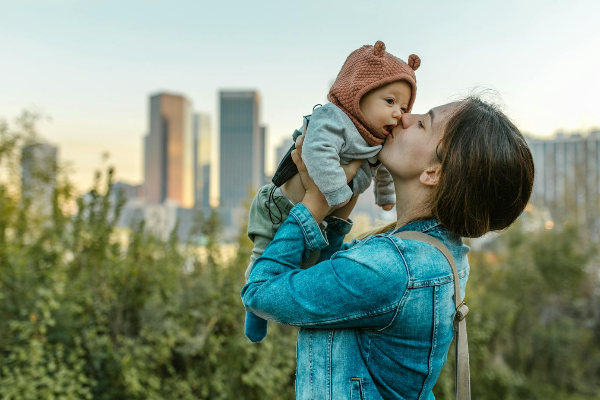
<point>381,157</point>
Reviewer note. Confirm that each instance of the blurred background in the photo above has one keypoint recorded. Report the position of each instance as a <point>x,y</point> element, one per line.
<point>133,135</point>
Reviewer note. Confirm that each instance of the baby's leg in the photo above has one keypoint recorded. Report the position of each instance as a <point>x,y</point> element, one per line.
<point>267,213</point>
<point>293,189</point>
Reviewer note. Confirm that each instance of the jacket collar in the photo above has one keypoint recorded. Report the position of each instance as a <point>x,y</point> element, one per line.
<point>420,225</point>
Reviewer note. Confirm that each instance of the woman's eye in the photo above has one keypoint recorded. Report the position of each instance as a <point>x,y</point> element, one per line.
<point>390,101</point>
<point>421,125</point>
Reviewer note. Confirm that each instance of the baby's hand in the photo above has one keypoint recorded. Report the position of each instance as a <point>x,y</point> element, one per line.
<point>386,207</point>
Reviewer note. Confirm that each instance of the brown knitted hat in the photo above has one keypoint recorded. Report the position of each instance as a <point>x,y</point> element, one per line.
<point>366,69</point>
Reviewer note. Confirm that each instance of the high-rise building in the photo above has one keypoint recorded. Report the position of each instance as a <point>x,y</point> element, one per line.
<point>202,160</point>
<point>282,149</point>
<point>241,161</point>
<point>169,152</point>
<point>263,152</point>
<point>567,178</point>
<point>128,191</point>
<point>38,176</point>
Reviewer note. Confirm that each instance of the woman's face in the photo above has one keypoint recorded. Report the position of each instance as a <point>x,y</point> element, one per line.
<point>411,147</point>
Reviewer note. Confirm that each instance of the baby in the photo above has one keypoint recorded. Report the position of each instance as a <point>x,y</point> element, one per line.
<point>367,100</point>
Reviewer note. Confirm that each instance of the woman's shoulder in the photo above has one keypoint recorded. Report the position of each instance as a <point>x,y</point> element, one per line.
<point>426,263</point>
<point>420,260</point>
<point>375,252</point>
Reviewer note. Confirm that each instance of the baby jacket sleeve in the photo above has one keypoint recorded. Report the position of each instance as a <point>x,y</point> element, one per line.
<point>325,139</point>
<point>384,187</point>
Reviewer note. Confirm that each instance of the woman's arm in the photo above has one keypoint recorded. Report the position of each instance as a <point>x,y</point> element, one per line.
<point>352,289</point>
<point>335,231</point>
<point>360,287</point>
<point>337,227</point>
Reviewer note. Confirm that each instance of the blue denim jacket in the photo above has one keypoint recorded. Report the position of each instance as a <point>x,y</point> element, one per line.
<point>376,315</point>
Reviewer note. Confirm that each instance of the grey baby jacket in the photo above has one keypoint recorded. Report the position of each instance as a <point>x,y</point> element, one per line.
<point>332,139</point>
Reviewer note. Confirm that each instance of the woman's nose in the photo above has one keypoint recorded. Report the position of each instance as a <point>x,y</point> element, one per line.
<point>407,120</point>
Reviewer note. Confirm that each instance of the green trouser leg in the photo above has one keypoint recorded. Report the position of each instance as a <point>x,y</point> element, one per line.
<point>266,216</point>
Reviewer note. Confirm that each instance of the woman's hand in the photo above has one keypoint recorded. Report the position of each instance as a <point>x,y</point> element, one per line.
<point>313,199</point>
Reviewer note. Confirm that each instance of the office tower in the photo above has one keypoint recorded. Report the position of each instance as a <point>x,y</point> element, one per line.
<point>241,168</point>
<point>282,149</point>
<point>169,152</point>
<point>128,191</point>
<point>38,176</point>
<point>567,178</point>
<point>263,151</point>
<point>202,160</point>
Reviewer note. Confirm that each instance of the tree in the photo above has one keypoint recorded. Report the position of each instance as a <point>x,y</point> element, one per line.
<point>530,332</point>
<point>84,316</point>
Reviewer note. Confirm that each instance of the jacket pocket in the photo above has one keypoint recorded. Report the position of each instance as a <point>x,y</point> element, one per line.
<point>356,389</point>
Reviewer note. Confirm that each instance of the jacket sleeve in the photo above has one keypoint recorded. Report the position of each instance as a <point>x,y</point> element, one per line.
<point>335,232</point>
<point>355,288</point>
<point>384,187</point>
<point>321,153</point>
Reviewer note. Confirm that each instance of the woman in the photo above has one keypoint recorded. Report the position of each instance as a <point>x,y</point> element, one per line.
<point>376,314</point>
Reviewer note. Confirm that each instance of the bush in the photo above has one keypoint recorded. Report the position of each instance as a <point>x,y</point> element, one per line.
<point>85,316</point>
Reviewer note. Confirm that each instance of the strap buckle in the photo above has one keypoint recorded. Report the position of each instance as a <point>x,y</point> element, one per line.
<point>461,311</point>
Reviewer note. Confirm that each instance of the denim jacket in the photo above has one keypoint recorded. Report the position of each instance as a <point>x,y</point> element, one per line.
<point>376,315</point>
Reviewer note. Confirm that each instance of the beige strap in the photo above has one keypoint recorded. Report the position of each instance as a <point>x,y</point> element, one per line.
<point>463,379</point>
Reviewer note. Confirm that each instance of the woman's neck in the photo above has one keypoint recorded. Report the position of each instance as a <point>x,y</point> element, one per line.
<point>412,199</point>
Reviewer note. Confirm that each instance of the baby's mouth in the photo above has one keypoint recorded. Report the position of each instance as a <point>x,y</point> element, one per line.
<point>388,129</point>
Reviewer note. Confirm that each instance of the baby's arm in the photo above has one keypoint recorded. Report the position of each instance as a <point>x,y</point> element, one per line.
<point>321,153</point>
<point>385,193</point>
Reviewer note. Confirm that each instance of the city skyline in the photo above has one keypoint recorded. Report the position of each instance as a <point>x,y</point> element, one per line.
<point>91,69</point>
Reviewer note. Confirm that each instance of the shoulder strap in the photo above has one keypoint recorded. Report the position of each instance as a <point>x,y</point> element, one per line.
<point>463,380</point>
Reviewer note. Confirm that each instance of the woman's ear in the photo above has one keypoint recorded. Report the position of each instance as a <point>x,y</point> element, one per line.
<point>431,175</point>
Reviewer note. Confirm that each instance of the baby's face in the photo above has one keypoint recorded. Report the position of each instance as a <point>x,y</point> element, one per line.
<point>384,106</point>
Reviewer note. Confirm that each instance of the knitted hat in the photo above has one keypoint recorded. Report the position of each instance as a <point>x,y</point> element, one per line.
<point>366,69</point>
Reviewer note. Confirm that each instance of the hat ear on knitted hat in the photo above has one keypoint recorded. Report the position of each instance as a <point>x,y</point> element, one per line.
<point>379,49</point>
<point>414,62</point>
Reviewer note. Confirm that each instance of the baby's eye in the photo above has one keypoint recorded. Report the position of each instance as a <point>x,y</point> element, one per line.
<point>390,101</point>
<point>421,125</point>
<point>404,110</point>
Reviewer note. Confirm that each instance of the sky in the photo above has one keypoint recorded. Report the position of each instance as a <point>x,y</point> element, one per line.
<point>91,65</point>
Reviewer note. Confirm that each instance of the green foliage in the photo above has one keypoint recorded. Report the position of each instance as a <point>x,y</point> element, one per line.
<point>85,314</point>
<point>533,324</point>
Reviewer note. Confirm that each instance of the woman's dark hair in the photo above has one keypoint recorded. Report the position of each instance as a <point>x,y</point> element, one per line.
<point>487,171</point>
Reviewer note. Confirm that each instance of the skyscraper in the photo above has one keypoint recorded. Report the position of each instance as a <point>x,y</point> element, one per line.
<point>202,160</point>
<point>263,152</point>
<point>241,147</point>
<point>567,178</point>
<point>282,149</point>
<point>169,152</point>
